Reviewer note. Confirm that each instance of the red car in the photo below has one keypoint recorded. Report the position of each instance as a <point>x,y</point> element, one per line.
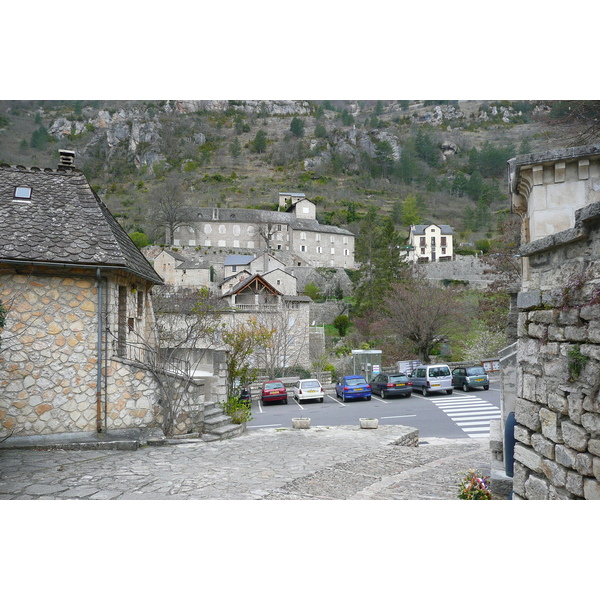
<point>274,391</point>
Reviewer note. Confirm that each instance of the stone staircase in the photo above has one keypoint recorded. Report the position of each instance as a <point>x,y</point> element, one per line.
<point>219,426</point>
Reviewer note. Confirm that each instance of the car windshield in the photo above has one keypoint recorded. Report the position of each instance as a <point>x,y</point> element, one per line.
<point>398,378</point>
<point>475,371</point>
<point>310,384</point>
<point>356,381</point>
<point>439,372</point>
<point>273,386</point>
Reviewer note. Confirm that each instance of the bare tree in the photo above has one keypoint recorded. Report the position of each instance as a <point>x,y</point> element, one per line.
<point>288,341</point>
<point>187,328</point>
<point>419,315</point>
<point>167,208</point>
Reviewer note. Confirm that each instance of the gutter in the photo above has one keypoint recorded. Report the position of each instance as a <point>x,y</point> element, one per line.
<point>99,355</point>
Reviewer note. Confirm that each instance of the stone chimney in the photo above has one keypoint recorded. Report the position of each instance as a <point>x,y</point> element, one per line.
<point>66,159</point>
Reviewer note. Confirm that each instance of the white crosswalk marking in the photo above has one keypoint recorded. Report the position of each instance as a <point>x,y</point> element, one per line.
<point>471,413</point>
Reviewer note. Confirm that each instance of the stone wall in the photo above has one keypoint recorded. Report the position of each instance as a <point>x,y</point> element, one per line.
<point>49,360</point>
<point>557,450</point>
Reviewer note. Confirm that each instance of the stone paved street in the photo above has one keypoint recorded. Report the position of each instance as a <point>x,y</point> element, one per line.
<point>271,464</point>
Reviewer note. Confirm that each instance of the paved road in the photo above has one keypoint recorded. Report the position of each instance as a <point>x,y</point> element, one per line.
<point>272,464</point>
<point>458,415</point>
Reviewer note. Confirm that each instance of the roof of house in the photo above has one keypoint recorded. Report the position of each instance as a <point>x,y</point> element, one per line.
<point>420,229</point>
<point>238,259</point>
<point>261,217</point>
<point>187,263</point>
<point>63,223</point>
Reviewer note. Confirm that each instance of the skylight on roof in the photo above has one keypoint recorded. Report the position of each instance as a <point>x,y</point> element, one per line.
<point>23,193</point>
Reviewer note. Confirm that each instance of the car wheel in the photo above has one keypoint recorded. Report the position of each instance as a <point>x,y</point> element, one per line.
<point>285,401</point>
<point>368,397</point>
<point>408,395</point>
<point>343,397</point>
<point>424,391</point>
<point>465,387</point>
<point>382,394</point>
<point>449,391</point>
<point>486,387</point>
<point>321,400</point>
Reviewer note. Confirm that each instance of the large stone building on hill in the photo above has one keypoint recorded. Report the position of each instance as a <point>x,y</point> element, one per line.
<point>293,230</point>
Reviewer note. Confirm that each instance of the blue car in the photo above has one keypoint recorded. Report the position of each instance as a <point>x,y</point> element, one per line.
<point>353,387</point>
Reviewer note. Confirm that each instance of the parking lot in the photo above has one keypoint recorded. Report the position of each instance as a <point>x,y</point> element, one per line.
<point>423,413</point>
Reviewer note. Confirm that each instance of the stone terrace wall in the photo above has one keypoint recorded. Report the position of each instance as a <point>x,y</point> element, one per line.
<point>557,451</point>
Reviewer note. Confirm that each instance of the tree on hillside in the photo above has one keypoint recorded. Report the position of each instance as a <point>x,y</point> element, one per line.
<point>235,148</point>
<point>384,158</point>
<point>297,127</point>
<point>167,207</point>
<point>378,253</point>
<point>259,144</point>
<point>411,215</point>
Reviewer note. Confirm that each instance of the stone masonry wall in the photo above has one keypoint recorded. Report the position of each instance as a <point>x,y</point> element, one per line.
<point>557,451</point>
<point>48,363</point>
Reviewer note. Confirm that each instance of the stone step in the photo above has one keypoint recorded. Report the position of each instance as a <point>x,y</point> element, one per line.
<point>225,432</point>
<point>215,422</point>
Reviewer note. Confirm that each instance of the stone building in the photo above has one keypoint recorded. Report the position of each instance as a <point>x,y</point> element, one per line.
<point>255,297</point>
<point>181,272</point>
<point>430,243</point>
<point>292,231</point>
<point>80,324</point>
<point>556,392</point>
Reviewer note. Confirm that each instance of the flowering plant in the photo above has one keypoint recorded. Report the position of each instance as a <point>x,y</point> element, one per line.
<point>474,486</point>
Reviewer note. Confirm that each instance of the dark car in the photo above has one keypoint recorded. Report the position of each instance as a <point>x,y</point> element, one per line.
<point>274,391</point>
<point>470,377</point>
<point>391,384</point>
<point>353,387</point>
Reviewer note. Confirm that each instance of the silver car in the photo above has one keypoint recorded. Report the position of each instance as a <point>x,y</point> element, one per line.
<point>432,378</point>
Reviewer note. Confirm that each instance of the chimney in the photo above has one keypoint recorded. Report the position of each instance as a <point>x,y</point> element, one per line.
<point>66,159</point>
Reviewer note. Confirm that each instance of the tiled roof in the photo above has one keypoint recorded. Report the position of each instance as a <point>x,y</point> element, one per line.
<point>64,222</point>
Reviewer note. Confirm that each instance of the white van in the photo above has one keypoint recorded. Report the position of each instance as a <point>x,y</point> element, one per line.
<point>432,378</point>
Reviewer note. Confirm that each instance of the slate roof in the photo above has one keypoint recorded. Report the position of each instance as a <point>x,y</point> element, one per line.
<point>64,222</point>
<point>238,259</point>
<point>187,263</point>
<point>259,216</point>
<point>420,229</point>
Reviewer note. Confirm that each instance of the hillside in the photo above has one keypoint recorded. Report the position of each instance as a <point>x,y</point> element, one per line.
<point>344,155</point>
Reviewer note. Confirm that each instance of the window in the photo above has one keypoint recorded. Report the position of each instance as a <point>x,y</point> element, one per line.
<point>422,241</point>
<point>333,251</point>
<point>303,235</point>
<point>422,250</point>
<point>443,249</point>
<point>443,241</point>
<point>302,248</point>
<point>346,252</point>
<point>140,304</point>
<point>318,237</point>
<point>345,240</point>
<point>23,193</point>
<point>319,250</point>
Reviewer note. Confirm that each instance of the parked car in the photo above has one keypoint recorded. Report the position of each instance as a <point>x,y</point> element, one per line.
<point>308,389</point>
<point>470,377</point>
<point>274,391</point>
<point>391,384</point>
<point>353,387</point>
<point>432,378</point>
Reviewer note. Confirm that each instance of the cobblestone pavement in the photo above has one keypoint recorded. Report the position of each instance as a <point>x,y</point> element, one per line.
<point>271,464</point>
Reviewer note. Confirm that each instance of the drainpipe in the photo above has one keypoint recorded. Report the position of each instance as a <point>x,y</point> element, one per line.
<point>99,352</point>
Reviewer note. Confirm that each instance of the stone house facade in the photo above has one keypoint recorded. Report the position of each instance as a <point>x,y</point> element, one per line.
<point>80,322</point>
<point>181,272</point>
<point>557,376</point>
<point>294,230</point>
<point>430,243</point>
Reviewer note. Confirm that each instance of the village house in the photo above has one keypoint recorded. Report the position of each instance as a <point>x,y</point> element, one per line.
<point>430,243</point>
<point>256,297</point>
<point>292,229</point>
<point>181,272</point>
<point>80,323</point>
